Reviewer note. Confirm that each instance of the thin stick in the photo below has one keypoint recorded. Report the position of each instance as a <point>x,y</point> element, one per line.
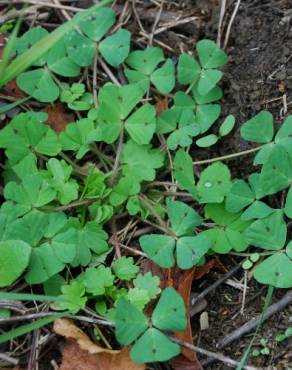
<point>218,282</point>
<point>244,293</point>
<point>94,79</point>
<point>108,71</point>
<point>218,356</point>
<point>51,5</point>
<point>9,359</point>
<point>229,156</point>
<point>158,15</point>
<point>222,12</point>
<point>230,23</point>
<point>252,324</point>
<point>117,159</point>
<point>77,203</point>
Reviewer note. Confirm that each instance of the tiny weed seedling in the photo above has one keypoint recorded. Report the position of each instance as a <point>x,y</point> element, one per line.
<point>65,192</point>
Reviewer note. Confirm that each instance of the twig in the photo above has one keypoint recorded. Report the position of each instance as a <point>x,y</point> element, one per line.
<point>9,359</point>
<point>117,159</point>
<point>218,282</point>
<point>252,324</point>
<point>13,306</point>
<point>77,203</point>
<point>108,71</point>
<point>229,156</point>
<point>157,18</point>
<point>175,23</point>
<point>50,5</point>
<point>244,293</point>
<point>94,79</point>
<point>218,356</point>
<point>230,23</point>
<point>222,12</point>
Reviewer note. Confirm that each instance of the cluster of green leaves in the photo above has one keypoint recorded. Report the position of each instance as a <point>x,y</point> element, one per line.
<point>61,190</point>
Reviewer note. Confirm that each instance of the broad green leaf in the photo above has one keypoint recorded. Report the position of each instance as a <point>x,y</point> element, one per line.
<point>125,268</point>
<point>206,115</point>
<point>213,95</point>
<point>33,191</point>
<point>263,154</point>
<point>159,248</point>
<point>284,131</point>
<point>130,322</point>
<point>97,23</point>
<point>80,48</point>
<point>227,125</point>
<point>276,172</point>
<point>208,80</point>
<point>115,48</point>
<point>259,129</point>
<point>218,213</point>
<point>97,279</point>
<point>207,141</point>
<point>149,283</point>
<point>14,258</point>
<point>268,233</point>
<point>183,219</point>
<point>164,77</point>
<point>182,136</point>
<point>126,187</point>
<point>167,121</point>
<point>73,297</point>
<point>289,250</point>
<point>30,38</point>
<point>39,84</point>
<point>183,171</point>
<point>140,161</point>
<point>257,209</point>
<point>141,124</point>
<point>138,297</point>
<point>214,183</point>
<point>218,239</point>
<point>59,62</point>
<point>145,61</point>
<point>78,136</point>
<point>210,55</point>
<point>183,102</point>
<point>190,250</point>
<point>188,69</point>
<point>154,346</point>
<point>239,197</point>
<point>288,204</point>
<point>275,270</point>
<point>52,287</point>
<point>170,313</point>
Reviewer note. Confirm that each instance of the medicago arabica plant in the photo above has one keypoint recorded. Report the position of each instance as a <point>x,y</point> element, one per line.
<point>72,198</point>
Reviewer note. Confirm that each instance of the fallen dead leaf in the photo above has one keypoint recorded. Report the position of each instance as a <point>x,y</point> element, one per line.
<point>80,353</point>
<point>58,116</point>
<point>161,105</point>
<point>204,270</point>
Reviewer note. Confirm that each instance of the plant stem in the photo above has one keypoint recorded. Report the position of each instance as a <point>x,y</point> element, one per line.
<point>117,160</point>
<point>77,203</point>
<point>229,156</point>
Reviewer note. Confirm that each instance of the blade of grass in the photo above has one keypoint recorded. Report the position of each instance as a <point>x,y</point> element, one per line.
<point>266,305</point>
<point>7,296</point>
<point>25,60</point>
<point>8,107</point>
<point>24,329</point>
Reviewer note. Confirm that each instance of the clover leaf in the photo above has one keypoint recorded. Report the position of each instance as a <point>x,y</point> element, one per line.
<point>125,269</point>
<point>80,49</point>
<point>72,297</point>
<point>148,283</point>
<point>98,22</point>
<point>183,171</point>
<point>115,48</point>
<point>59,62</point>
<point>97,279</point>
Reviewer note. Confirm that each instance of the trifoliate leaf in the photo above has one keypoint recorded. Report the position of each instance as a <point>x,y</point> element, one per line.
<point>183,171</point>
<point>96,280</point>
<point>140,161</point>
<point>115,48</point>
<point>206,115</point>
<point>208,80</point>
<point>73,297</point>
<point>149,283</point>
<point>227,125</point>
<point>210,55</point>
<point>141,124</point>
<point>183,219</point>
<point>190,250</point>
<point>164,78</point>
<point>125,268</point>
<point>207,141</point>
<point>39,84</point>
<point>239,197</point>
<point>268,233</point>
<point>288,204</point>
<point>153,346</point>
<point>259,129</point>
<point>188,69</point>
<point>96,25</point>
<point>159,248</point>
<point>257,209</point>
<point>130,322</point>
<point>14,258</point>
<point>80,48</point>
<point>170,312</point>
<point>59,62</point>
<point>275,270</point>
<point>214,183</point>
<point>145,61</point>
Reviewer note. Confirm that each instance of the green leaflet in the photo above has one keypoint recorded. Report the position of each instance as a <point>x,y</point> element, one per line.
<point>115,48</point>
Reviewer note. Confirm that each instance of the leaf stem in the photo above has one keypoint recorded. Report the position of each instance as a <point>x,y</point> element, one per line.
<point>117,160</point>
<point>229,156</point>
<point>77,203</point>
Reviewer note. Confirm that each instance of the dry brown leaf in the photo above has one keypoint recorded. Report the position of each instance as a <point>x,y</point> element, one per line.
<point>161,105</point>
<point>204,270</point>
<point>59,117</point>
<point>74,358</point>
<point>69,330</point>
<point>80,353</point>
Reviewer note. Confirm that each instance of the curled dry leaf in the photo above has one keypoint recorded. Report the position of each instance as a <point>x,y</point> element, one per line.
<point>161,105</point>
<point>58,116</point>
<point>80,353</point>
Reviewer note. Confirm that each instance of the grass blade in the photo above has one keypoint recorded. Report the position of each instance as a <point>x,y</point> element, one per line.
<point>25,60</point>
<point>8,107</point>
<point>7,296</point>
